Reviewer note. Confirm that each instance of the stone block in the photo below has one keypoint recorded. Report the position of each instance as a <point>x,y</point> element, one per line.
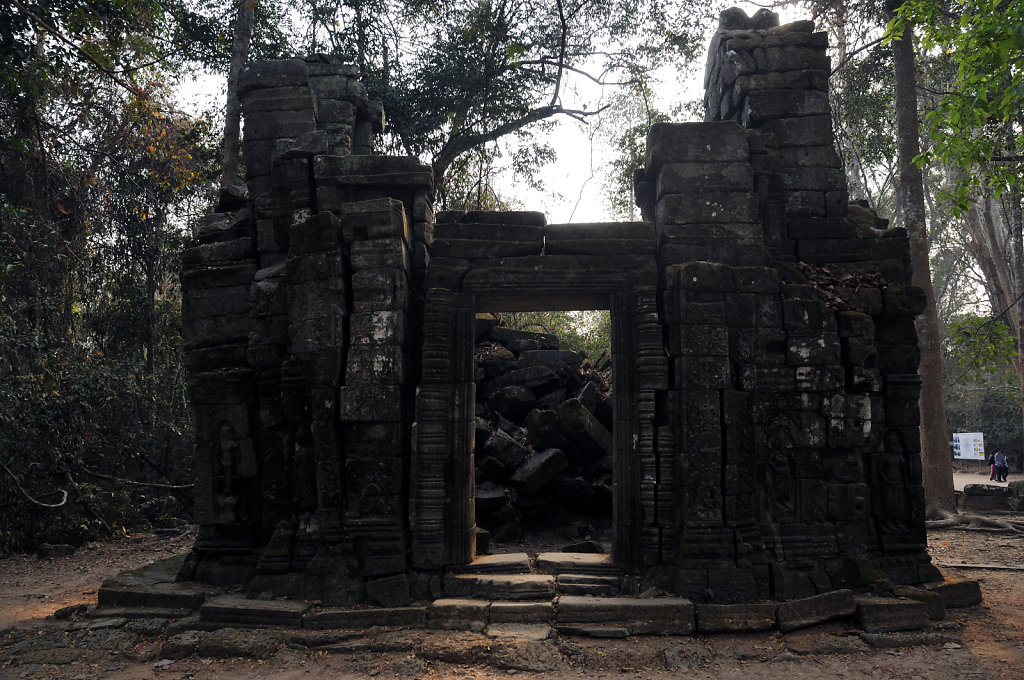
<point>735,618</point>
<point>538,470</point>
<point>813,351</point>
<point>695,142</point>
<point>931,600</point>
<point>204,302</point>
<point>749,310</point>
<point>390,591</point>
<point>658,616</point>
<point>361,619</point>
<point>700,276</point>
<point>500,586</point>
<point>909,300</point>
<point>811,611</point>
<point>288,98</point>
<point>767,378</point>
<point>384,327</point>
<point>586,436</point>
<point>756,279</point>
<point>705,372</point>
<point>512,402</point>
<point>957,593</point>
<point>457,614</point>
<point>719,207</point>
<point>821,156</point>
<point>380,218</point>
<point>885,615</point>
<point>277,124</point>
<point>698,340</point>
<point>521,612</point>
<point>239,609</point>
<point>381,254</point>
<point>377,365</point>
<point>539,379</point>
<point>697,177</point>
<point>272,74</point>
<point>370,403</point>
<point>504,451</point>
<point>765,346</point>
<point>762,106</point>
<point>222,252</point>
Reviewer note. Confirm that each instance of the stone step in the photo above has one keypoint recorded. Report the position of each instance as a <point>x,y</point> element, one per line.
<point>511,563</point>
<point>238,609</point>
<point>658,616</point>
<point>587,584</point>
<point>152,587</point>
<point>600,564</point>
<point>500,586</point>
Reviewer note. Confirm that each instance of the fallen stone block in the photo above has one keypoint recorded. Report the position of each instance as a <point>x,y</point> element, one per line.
<point>886,615</point>
<point>957,593</point>
<point>538,470</point>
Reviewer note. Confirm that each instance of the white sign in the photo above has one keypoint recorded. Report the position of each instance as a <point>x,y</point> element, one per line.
<point>969,445</point>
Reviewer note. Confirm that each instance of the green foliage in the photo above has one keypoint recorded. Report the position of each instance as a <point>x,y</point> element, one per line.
<point>976,127</point>
<point>587,330</point>
<point>99,179</point>
<point>978,345</point>
<point>982,390</point>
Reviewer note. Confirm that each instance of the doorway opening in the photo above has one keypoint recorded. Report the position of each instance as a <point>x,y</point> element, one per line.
<point>543,436</point>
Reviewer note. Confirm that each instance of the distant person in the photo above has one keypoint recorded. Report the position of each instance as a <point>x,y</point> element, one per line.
<point>991,460</point>
<point>1000,465</point>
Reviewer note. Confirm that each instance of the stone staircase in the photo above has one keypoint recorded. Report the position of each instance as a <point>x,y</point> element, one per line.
<point>513,597</point>
<point>514,577</point>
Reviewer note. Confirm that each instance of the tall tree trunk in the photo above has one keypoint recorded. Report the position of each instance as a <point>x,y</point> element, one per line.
<point>937,468</point>
<point>233,115</point>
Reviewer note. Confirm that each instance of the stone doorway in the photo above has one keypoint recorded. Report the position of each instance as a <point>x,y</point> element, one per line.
<point>443,494</point>
<point>543,445</point>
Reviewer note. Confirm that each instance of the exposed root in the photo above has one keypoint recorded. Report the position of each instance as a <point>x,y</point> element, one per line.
<point>971,522</point>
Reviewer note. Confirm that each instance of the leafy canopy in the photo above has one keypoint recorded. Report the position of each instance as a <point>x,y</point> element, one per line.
<point>977,125</point>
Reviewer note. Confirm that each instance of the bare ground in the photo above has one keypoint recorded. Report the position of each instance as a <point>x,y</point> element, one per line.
<point>986,641</point>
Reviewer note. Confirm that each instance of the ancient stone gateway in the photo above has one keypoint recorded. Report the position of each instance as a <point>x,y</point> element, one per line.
<point>765,387</point>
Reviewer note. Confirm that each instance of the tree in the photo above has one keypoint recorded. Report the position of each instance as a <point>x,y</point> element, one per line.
<point>96,175</point>
<point>936,471</point>
<point>977,130</point>
<point>472,72</point>
<point>233,113</point>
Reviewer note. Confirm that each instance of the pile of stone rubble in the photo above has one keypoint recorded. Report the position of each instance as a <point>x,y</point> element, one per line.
<point>543,434</point>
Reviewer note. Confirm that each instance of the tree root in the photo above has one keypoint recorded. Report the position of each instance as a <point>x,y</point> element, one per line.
<point>971,522</point>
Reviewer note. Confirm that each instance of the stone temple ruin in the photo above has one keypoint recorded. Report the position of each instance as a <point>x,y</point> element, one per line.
<point>765,390</point>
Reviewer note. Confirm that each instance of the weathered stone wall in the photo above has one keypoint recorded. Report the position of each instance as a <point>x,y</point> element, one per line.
<point>765,439</point>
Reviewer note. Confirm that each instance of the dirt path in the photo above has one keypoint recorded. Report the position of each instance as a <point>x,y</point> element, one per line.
<point>986,641</point>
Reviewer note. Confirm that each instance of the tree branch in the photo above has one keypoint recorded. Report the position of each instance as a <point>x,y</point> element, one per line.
<point>81,50</point>
<point>63,497</point>
<point>131,482</point>
<point>457,145</point>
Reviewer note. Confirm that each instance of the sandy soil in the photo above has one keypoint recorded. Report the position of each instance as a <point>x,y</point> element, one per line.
<point>988,640</point>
